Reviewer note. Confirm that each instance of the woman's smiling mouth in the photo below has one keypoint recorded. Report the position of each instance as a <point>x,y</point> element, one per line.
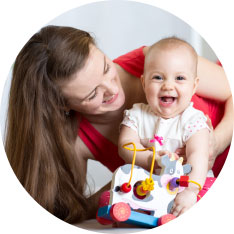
<point>110,99</point>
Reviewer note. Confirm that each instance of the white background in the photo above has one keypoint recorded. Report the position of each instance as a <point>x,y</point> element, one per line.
<point>19,213</point>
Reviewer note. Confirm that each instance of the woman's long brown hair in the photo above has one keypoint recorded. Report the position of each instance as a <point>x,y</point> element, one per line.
<point>40,137</point>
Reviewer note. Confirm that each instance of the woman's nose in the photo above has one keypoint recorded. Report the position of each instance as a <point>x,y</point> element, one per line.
<point>110,86</point>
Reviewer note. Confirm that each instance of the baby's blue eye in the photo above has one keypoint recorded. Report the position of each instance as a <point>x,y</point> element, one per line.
<point>180,78</point>
<point>157,77</point>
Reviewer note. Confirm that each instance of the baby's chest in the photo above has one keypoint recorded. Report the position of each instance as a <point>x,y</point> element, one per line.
<point>170,133</point>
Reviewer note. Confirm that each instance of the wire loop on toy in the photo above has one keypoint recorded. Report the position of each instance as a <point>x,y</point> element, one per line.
<point>194,182</point>
<point>134,159</point>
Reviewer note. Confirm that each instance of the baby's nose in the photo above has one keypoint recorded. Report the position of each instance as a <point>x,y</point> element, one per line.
<point>167,85</point>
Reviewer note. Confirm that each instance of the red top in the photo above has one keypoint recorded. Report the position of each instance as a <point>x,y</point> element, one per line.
<point>107,153</point>
<point>102,149</point>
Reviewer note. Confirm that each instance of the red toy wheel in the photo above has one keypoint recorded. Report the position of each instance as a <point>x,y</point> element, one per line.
<point>103,221</point>
<point>104,199</point>
<point>165,219</point>
<point>120,212</point>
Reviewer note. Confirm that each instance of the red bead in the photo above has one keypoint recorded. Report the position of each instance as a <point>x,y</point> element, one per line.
<point>125,188</point>
<point>184,181</point>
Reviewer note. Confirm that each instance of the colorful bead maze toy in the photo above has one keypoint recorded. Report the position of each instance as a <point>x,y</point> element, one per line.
<point>146,199</point>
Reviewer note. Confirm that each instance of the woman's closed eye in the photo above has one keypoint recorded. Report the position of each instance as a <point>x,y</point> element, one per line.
<point>93,95</point>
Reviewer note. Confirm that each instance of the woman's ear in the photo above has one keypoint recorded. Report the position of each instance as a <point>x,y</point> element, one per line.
<point>196,82</point>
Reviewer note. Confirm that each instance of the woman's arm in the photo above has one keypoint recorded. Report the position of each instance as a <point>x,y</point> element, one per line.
<point>213,83</point>
<point>221,136</point>
<point>213,76</point>
<point>223,131</point>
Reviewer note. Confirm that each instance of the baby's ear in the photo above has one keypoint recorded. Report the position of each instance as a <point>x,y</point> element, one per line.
<point>196,82</point>
<point>143,81</point>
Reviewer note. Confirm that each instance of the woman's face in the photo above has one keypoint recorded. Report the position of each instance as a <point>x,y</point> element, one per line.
<point>96,88</point>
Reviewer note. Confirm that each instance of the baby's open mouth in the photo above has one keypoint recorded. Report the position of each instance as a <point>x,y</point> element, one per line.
<point>167,99</point>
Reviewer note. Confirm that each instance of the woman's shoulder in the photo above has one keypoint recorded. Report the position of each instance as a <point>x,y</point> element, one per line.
<point>132,62</point>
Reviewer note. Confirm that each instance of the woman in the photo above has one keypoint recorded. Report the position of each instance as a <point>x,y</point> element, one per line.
<point>63,83</point>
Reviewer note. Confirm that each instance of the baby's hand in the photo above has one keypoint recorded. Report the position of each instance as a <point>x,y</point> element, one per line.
<point>160,153</point>
<point>183,202</point>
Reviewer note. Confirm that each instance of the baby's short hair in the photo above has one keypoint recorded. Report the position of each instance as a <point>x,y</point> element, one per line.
<point>172,43</point>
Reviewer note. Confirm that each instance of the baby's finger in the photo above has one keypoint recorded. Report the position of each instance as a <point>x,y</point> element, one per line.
<point>180,151</point>
<point>176,210</point>
<point>176,156</point>
<point>163,152</point>
<point>182,211</point>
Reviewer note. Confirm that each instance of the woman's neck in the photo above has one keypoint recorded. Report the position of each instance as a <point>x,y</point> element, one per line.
<point>106,118</point>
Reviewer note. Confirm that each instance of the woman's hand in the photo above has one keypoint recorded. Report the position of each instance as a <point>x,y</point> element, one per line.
<point>213,146</point>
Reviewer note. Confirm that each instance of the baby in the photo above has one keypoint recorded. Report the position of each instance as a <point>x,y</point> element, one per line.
<point>169,120</point>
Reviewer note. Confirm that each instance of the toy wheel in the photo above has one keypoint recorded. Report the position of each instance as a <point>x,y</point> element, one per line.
<point>103,221</point>
<point>104,199</point>
<point>120,212</point>
<point>166,218</point>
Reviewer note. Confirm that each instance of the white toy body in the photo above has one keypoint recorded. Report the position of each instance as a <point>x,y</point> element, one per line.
<point>160,200</point>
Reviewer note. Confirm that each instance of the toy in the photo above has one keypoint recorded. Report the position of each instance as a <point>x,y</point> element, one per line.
<point>146,199</point>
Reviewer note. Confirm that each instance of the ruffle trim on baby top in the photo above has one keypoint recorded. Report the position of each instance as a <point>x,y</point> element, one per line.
<point>129,121</point>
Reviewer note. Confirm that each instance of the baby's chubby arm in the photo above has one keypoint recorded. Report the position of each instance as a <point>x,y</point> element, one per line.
<point>143,158</point>
<point>197,152</point>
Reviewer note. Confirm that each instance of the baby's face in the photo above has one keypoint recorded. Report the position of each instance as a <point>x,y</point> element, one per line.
<point>169,81</point>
